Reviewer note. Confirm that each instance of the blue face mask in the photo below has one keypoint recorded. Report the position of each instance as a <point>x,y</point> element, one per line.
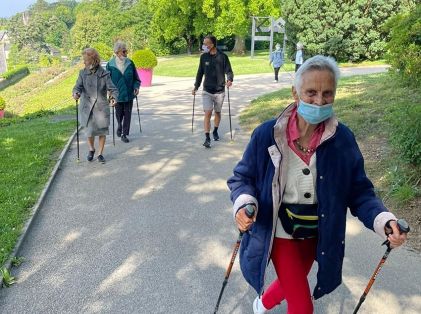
<point>314,114</point>
<point>205,48</point>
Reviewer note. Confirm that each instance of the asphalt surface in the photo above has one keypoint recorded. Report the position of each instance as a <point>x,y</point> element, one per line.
<point>151,231</point>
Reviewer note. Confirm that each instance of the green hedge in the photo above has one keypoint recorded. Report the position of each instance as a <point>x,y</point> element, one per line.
<point>9,74</point>
<point>406,136</point>
<point>404,47</point>
<point>2,103</point>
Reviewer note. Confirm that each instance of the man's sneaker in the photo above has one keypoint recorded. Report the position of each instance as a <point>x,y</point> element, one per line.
<point>90,156</point>
<point>215,136</point>
<point>207,143</point>
<point>275,81</point>
<point>101,159</point>
<point>258,307</point>
<point>124,139</point>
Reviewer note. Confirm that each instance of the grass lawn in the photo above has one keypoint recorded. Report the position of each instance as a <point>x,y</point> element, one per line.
<point>48,89</point>
<point>186,66</point>
<point>367,104</point>
<point>29,150</point>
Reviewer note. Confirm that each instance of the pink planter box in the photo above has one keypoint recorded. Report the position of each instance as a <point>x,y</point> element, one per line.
<point>145,76</point>
<point>1,114</point>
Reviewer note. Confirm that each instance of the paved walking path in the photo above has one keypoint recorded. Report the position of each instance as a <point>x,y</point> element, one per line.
<point>151,231</point>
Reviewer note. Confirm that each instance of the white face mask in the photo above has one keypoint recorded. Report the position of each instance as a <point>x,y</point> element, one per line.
<point>122,58</point>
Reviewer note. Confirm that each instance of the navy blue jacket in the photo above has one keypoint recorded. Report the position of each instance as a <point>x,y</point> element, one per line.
<point>341,184</point>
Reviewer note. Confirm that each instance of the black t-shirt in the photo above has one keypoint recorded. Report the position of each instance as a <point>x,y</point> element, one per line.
<point>214,67</point>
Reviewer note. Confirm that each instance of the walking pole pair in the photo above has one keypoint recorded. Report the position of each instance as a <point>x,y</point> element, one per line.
<point>77,130</point>
<point>250,213</point>
<point>403,228</point>
<point>138,114</point>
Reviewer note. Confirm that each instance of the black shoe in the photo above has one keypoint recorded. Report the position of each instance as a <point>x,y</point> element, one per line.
<point>215,136</point>
<point>90,156</point>
<point>118,133</point>
<point>207,143</point>
<point>124,139</point>
<point>101,159</point>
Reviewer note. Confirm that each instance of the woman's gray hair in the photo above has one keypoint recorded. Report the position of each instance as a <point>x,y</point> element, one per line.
<point>93,56</point>
<point>119,45</point>
<point>316,63</point>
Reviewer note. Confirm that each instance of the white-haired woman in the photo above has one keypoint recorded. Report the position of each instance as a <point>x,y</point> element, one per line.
<point>91,87</point>
<point>301,172</point>
<point>299,56</point>
<point>277,60</point>
<point>125,78</point>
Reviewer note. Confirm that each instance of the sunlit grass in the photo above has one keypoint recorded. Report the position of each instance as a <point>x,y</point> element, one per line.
<point>28,152</point>
<point>186,65</point>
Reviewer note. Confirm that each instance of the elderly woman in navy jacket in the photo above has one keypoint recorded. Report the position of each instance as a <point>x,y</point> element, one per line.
<point>301,172</point>
<point>125,78</point>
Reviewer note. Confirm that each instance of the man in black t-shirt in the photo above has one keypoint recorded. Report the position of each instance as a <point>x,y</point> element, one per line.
<point>214,65</point>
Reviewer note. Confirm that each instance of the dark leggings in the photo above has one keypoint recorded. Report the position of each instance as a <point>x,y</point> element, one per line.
<point>123,112</point>
<point>276,73</point>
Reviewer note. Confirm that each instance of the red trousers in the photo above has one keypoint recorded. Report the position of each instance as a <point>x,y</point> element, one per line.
<point>292,260</point>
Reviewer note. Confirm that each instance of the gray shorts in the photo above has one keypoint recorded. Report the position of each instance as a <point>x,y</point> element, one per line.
<point>212,101</point>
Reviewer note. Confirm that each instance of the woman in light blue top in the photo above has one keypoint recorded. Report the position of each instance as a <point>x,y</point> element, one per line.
<point>277,59</point>
<point>299,56</point>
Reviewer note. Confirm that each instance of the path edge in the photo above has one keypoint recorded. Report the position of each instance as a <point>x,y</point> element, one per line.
<point>36,207</point>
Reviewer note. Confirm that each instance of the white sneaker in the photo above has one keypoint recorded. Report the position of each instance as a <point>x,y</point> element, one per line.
<point>275,81</point>
<point>258,307</point>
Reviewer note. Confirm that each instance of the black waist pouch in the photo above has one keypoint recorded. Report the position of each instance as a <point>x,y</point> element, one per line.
<point>299,220</point>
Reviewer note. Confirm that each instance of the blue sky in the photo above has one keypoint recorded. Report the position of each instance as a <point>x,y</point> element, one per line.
<point>9,8</point>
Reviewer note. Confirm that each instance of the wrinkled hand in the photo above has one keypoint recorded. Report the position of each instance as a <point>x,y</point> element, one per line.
<point>112,102</point>
<point>243,221</point>
<point>229,83</point>
<point>136,91</point>
<point>194,90</point>
<point>76,96</point>
<point>396,238</point>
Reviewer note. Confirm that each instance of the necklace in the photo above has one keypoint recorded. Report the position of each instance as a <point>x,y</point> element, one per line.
<point>307,150</point>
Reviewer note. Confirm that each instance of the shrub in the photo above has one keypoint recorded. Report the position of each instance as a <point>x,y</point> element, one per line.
<point>406,135</point>
<point>2,103</point>
<point>144,59</point>
<point>9,74</point>
<point>105,52</point>
<point>405,45</point>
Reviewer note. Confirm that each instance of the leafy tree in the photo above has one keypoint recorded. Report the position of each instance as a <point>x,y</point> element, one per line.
<point>86,31</point>
<point>105,52</point>
<point>346,30</point>
<point>404,47</point>
<point>178,19</point>
<point>233,17</point>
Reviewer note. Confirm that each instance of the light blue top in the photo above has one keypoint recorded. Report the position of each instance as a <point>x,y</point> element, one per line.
<point>277,58</point>
<point>299,57</point>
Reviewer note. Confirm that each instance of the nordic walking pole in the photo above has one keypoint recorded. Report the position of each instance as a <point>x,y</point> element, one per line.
<point>192,116</point>
<point>229,110</point>
<point>112,110</point>
<point>403,228</point>
<point>250,213</point>
<point>138,114</point>
<point>77,130</point>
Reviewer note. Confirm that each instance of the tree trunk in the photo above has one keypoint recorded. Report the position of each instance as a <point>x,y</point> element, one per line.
<point>240,45</point>
<point>189,41</point>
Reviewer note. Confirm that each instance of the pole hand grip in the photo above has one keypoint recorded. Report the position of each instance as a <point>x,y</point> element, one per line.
<point>403,227</point>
